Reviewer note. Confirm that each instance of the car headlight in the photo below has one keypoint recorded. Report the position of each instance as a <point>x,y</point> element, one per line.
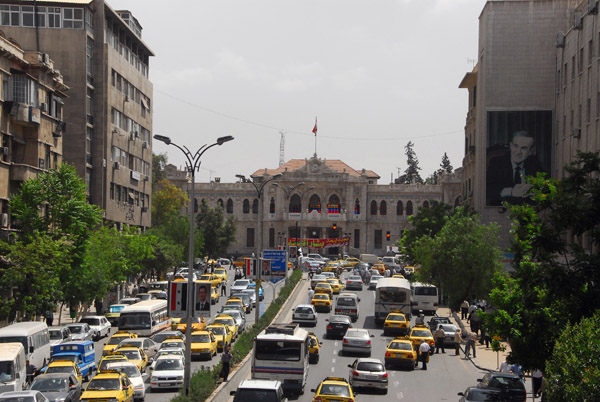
<point>180,378</point>
<point>60,399</point>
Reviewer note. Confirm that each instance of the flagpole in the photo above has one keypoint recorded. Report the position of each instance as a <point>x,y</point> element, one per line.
<point>315,132</point>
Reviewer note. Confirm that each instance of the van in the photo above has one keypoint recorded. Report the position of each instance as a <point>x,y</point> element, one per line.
<point>81,353</point>
<point>347,304</point>
<point>369,258</point>
<point>12,367</point>
<point>34,337</point>
<point>388,260</point>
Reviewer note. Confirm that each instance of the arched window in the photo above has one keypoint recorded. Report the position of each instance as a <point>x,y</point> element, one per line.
<point>399,208</point>
<point>409,208</point>
<point>357,207</point>
<point>314,204</point>
<point>246,206</point>
<point>272,206</point>
<point>255,206</point>
<point>333,207</point>
<point>230,206</point>
<point>457,201</point>
<point>425,204</point>
<point>435,204</point>
<point>383,208</point>
<point>373,207</point>
<point>220,202</point>
<point>295,204</point>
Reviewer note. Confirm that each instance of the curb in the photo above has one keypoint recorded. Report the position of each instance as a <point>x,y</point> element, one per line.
<point>241,364</point>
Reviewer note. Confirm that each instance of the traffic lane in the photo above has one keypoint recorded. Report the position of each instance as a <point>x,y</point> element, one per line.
<point>446,375</point>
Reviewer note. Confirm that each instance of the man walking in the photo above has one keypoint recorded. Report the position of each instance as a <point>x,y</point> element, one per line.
<point>457,341</point>
<point>225,359</point>
<point>311,293</point>
<point>224,288</point>
<point>471,338</point>
<point>464,310</point>
<point>440,335</point>
<point>424,354</point>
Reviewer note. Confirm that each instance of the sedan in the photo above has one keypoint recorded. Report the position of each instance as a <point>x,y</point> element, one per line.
<point>316,279</point>
<point>99,325</point>
<point>357,340</point>
<point>450,331</point>
<point>239,285</point>
<point>305,314</point>
<point>337,326</point>
<point>146,344</point>
<point>23,396</point>
<point>373,281</point>
<point>81,332</point>
<point>59,387</point>
<point>261,295</point>
<point>239,317</point>
<point>354,282</point>
<point>133,373</point>
<point>252,294</point>
<point>510,385</point>
<point>473,394</point>
<point>368,373</point>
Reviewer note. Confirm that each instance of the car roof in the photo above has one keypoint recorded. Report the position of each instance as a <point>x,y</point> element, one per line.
<point>368,360</point>
<point>259,384</point>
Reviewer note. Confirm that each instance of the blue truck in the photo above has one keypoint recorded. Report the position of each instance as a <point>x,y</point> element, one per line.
<point>80,352</point>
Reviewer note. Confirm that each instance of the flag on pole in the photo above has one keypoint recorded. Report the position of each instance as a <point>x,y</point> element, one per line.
<point>315,129</point>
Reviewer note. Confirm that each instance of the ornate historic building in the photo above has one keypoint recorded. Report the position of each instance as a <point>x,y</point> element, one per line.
<point>325,203</point>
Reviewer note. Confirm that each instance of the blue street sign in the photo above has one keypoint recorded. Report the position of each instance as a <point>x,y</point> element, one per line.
<point>278,261</point>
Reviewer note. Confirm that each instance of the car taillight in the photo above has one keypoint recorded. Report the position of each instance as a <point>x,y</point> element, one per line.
<point>345,340</point>
<point>410,356</point>
<point>355,373</point>
<point>312,302</point>
<point>368,342</point>
<point>347,282</point>
<point>385,375</point>
<point>361,282</point>
<point>329,327</point>
<point>387,354</point>
<point>317,399</point>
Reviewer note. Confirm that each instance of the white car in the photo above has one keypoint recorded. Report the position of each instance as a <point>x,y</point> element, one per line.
<point>357,340</point>
<point>239,285</point>
<point>59,335</point>
<point>168,372</point>
<point>99,324</point>
<point>167,351</point>
<point>368,373</point>
<point>80,331</point>
<point>23,396</point>
<point>305,314</point>
<point>133,373</point>
<point>252,294</point>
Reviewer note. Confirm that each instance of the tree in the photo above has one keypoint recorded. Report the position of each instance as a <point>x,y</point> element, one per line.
<point>445,165</point>
<point>411,174</point>
<point>218,232</point>
<point>460,259</point>
<point>556,281</point>
<point>572,370</point>
<point>426,222</point>
<point>167,202</point>
<point>159,173</point>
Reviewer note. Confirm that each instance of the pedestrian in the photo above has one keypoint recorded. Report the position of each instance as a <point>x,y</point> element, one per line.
<point>475,321</point>
<point>464,310</point>
<point>225,360</point>
<point>49,317</point>
<point>224,288</point>
<point>484,338</point>
<point>536,376</point>
<point>518,370</point>
<point>424,353</point>
<point>135,290</point>
<point>471,338</point>
<point>420,320</point>
<point>311,293</point>
<point>440,336</point>
<point>505,366</point>
<point>30,371</point>
<point>458,339</point>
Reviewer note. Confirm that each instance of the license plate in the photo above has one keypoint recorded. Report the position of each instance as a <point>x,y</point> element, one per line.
<point>167,384</point>
<point>371,377</point>
<point>303,315</point>
<point>392,355</point>
<point>356,342</point>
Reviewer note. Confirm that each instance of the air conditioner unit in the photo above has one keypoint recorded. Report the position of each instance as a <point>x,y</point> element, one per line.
<point>592,6</point>
<point>144,144</point>
<point>144,209</point>
<point>44,107</point>
<point>4,221</point>
<point>577,133</point>
<point>560,40</point>
<point>578,21</point>
<point>61,126</point>
<point>3,150</point>
<point>116,165</point>
<point>131,137</point>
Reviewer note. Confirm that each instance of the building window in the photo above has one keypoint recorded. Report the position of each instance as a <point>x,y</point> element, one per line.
<point>118,193</point>
<point>220,203</point>
<point>357,207</point>
<point>383,208</point>
<point>230,206</point>
<point>475,96</point>
<point>271,237</point>
<point>580,61</point>
<point>54,17</point>
<point>90,106</point>
<point>590,51</point>
<point>373,207</point>
<point>272,206</point>
<point>588,110</point>
<point>425,204</point>
<point>409,208</point>
<point>27,14</point>
<point>333,207</point>
<point>88,145</point>
<point>356,238</point>
<point>73,18</point>
<point>255,206</point>
<point>112,191</point>
<point>89,60</point>
<point>250,237</point>
<point>295,204</point>
<point>377,240</point>
<point>246,207</point>
<point>9,15</point>
<point>314,204</point>
<point>24,90</point>
<point>399,208</point>
<point>572,67</point>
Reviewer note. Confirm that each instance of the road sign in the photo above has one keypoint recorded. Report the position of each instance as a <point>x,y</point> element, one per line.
<point>278,260</point>
<point>178,298</point>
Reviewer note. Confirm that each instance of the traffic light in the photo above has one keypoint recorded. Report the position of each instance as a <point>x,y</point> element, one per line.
<point>387,236</point>
<point>334,227</point>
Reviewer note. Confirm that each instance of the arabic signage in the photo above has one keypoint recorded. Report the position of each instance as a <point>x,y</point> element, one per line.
<point>319,243</point>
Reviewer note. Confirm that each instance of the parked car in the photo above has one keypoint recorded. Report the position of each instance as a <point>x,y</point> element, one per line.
<point>305,314</point>
<point>450,331</point>
<point>59,387</point>
<point>337,326</point>
<point>357,340</point>
<point>368,373</point>
<point>510,385</point>
<point>99,325</point>
<point>81,331</point>
<point>435,321</point>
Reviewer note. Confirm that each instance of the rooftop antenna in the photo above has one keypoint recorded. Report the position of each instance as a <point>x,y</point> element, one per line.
<point>472,61</point>
<point>210,172</point>
<point>282,148</point>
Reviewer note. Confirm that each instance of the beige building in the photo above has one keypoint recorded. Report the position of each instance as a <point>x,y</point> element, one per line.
<point>320,199</point>
<point>31,137</point>
<point>108,113</point>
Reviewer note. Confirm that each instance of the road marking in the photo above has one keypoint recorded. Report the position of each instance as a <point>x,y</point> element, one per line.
<point>332,369</point>
<point>396,383</point>
<point>335,343</point>
<point>399,395</point>
<point>333,360</point>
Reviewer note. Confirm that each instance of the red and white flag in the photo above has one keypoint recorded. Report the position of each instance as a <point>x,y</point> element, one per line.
<point>315,129</point>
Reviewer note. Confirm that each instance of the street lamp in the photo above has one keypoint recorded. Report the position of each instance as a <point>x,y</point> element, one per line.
<point>259,191</point>
<point>192,165</point>
<point>301,213</point>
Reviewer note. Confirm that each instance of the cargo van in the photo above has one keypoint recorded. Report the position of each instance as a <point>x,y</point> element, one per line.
<point>34,337</point>
<point>347,304</point>
<point>12,367</point>
<point>369,258</point>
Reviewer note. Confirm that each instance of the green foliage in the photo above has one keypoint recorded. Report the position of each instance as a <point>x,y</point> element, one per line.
<point>159,164</point>
<point>411,174</point>
<point>218,232</point>
<point>460,259</point>
<point>446,165</point>
<point>426,222</point>
<point>573,373</point>
<point>167,202</point>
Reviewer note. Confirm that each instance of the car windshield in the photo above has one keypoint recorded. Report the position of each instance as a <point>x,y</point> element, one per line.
<point>346,301</point>
<point>204,338</point>
<point>304,310</point>
<point>6,371</point>
<point>167,344</point>
<point>421,333</point>
<point>337,318</point>
<point>72,358</point>
<point>169,364</point>
<point>26,398</point>
<point>355,278</point>
<point>103,384</point>
<point>334,389</point>
<point>76,329</point>
<point>396,317</point>
<point>277,350</point>
<point>355,333</point>
<point>226,321</point>
<point>370,366</point>
<point>258,395</point>
<point>505,382</point>
<point>449,328</point>
<point>55,334</point>
<point>129,369</point>
<point>321,296</point>
<point>131,354</point>
<point>50,384</point>
<point>60,369</point>
<point>115,340</point>
<point>90,321</point>
<point>218,330</point>
<point>158,338</point>
<point>241,282</point>
<point>401,346</point>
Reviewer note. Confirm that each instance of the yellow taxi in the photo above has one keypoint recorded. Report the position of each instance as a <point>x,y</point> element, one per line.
<point>396,322</point>
<point>215,280</point>
<point>324,287</point>
<point>135,355</point>
<point>65,366</point>
<point>234,301</point>
<point>333,389</point>
<point>322,302</point>
<point>114,341</point>
<point>401,352</point>
<point>229,321</point>
<point>420,332</point>
<point>204,344</point>
<point>198,324</point>
<point>331,266</point>
<point>314,348</point>
<point>109,386</point>
<point>336,285</point>
<point>222,272</point>
<point>380,267</point>
<point>222,334</point>
<point>175,322</point>
<point>351,261</point>
<point>214,295</point>
<point>110,358</point>
<point>399,276</point>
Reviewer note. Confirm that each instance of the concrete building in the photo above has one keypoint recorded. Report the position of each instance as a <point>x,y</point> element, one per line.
<point>108,114</point>
<point>331,207</point>
<point>31,139</point>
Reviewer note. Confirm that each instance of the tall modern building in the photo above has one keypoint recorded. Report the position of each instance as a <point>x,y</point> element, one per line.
<point>108,111</point>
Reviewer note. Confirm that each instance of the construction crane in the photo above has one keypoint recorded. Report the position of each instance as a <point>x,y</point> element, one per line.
<point>282,148</point>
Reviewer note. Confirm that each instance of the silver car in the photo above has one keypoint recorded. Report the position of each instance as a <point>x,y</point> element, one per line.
<point>240,319</point>
<point>354,282</point>
<point>450,331</point>
<point>316,279</point>
<point>252,294</point>
<point>373,281</point>
<point>146,344</point>
<point>369,373</point>
<point>133,373</point>
<point>357,340</point>
<point>81,332</point>
<point>239,285</point>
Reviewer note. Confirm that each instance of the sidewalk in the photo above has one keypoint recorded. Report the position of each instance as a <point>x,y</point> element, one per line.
<point>486,358</point>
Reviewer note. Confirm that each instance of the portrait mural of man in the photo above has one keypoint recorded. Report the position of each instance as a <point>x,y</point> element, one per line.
<point>202,301</point>
<point>518,147</point>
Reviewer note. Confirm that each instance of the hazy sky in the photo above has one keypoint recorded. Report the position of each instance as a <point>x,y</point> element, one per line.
<point>376,73</point>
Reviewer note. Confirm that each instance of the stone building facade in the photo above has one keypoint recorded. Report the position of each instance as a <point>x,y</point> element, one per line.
<point>318,198</point>
<point>108,114</point>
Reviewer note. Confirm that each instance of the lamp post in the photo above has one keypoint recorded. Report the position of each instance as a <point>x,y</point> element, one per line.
<point>302,194</point>
<point>192,165</point>
<point>259,192</point>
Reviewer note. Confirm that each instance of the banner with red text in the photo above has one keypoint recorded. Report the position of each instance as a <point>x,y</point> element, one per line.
<point>319,243</point>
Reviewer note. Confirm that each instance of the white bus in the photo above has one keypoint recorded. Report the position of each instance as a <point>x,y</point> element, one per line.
<point>34,337</point>
<point>424,297</point>
<point>145,318</point>
<point>392,294</point>
<point>12,367</point>
<point>281,353</point>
